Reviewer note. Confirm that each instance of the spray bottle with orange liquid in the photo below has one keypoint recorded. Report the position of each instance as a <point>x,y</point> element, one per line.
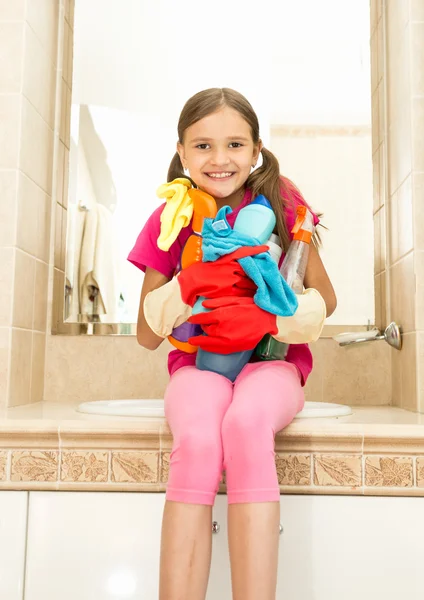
<point>293,270</point>
<point>204,207</point>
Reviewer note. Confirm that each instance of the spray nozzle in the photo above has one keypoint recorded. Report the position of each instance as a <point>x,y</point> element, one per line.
<point>303,227</point>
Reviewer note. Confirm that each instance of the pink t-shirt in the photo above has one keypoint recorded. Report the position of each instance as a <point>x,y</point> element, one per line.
<point>147,254</point>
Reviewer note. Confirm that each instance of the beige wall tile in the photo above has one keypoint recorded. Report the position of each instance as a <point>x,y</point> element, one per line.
<point>380,51</point>
<point>78,368</point>
<point>40,296</point>
<point>67,138</point>
<point>37,367</point>
<point>66,179</point>
<point>34,465</point>
<point>39,77</point>
<point>12,11</point>
<point>70,56</point>
<point>10,123</point>
<point>8,207</point>
<point>137,372</point>
<point>380,300</point>
<point>396,368</point>
<point>84,466</point>
<point>405,217</point>
<point>20,367</point>
<point>357,374</point>
<point>375,121</point>
<point>33,220</point>
<point>5,341</point>
<point>60,172</point>
<point>420,377</point>
<point>409,371</point>
<point>63,109</point>
<point>11,51</point>
<point>418,195</point>
<point>29,198</point>
<point>65,63</point>
<point>417,10</point>
<point>58,298</point>
<point>373,14</point>
<point>374,58</point>
<point>383,173</point>
<point>63,239</point>
<point>402,292</point>
<point>376,179</point>
<point>417,54</point>
<point>388,471</point>
<point>135,467</point>
<point>7,267</point>
<point>292,469</point>
<point>23,291</point>
<point>384,318</point>
<point>337,470</point>
<point>43,16</point>
<point>419,297</point>
<point>43,227</point>
<point>417,137</point>
<point>380,240</point>
<point>58,237</point>
<point>71,12</point>
<point>36,156</point>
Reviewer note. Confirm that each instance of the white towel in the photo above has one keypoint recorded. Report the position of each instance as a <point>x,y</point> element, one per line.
<point>74,236</point>
<point>99,264</point>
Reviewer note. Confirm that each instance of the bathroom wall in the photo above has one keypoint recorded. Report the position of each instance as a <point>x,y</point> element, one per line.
<point>397,42</point>
<point>29,50</point>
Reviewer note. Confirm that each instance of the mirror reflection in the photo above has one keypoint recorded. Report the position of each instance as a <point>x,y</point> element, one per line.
<point>133,69</point>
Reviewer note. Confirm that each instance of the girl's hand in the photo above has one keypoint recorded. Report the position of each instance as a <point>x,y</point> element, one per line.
<point>223,277</point>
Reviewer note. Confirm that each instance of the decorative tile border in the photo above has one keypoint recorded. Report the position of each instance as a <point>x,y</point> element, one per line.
<point>321,462</point>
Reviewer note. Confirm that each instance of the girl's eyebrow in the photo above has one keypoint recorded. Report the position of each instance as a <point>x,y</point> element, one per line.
<point>233,137</point>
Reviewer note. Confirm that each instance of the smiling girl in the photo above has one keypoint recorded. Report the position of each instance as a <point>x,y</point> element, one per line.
<point>218,425</point>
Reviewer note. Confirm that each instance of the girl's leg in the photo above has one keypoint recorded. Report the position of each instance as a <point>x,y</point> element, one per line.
<point>266,398</point>
<point>195,405</point>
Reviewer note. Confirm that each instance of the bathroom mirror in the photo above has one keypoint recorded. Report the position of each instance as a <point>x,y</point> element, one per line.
<point>304,66</point>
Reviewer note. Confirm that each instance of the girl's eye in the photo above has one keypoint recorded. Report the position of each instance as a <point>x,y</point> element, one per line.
<point>202,146</point>
<point>236,145</point>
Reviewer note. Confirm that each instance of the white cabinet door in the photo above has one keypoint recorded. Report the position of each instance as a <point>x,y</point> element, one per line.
<point>93,546</point>
<point>106,546</point>
<point>13,522</point>
<point>352,547</point>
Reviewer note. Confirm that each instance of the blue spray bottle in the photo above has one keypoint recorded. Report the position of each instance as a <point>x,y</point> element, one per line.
<point>257,220</point>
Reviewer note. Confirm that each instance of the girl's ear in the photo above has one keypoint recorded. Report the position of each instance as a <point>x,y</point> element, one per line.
<point>257,150</point>
<point>180,150</point>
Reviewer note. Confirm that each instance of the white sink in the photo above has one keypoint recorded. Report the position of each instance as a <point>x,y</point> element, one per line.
<point>155,408</point>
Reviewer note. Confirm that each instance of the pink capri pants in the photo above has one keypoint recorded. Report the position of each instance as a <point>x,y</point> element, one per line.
<point>219,426</point>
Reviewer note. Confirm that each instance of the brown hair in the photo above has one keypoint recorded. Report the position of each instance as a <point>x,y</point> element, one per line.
<point>265,179</point>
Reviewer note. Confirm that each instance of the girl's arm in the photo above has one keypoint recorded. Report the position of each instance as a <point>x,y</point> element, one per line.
<point>316,277</point>
<point>145,336</point>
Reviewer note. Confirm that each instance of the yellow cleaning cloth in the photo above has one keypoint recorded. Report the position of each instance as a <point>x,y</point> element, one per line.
<point>177,212</point>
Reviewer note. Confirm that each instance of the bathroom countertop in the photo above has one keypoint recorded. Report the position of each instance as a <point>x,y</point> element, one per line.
<point>376,450</point>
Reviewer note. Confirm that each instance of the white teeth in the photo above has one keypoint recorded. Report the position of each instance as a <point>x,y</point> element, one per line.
<point>219,175</point>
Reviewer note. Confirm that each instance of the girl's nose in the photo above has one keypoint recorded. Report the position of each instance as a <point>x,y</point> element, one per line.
<point>220,158</point>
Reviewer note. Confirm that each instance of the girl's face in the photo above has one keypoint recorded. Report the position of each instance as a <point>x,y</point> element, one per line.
<point>219,152</point>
